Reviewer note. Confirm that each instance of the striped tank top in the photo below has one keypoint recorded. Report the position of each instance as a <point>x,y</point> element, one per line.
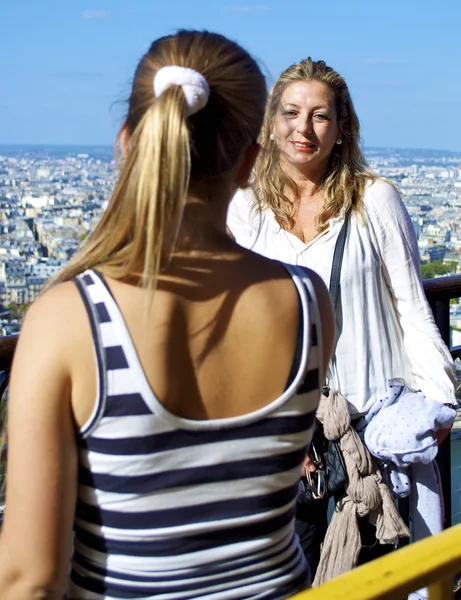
<point>171,508</point>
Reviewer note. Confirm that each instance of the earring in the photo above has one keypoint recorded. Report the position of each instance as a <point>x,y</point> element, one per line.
<point>339,142</point>
<point>272,137</point>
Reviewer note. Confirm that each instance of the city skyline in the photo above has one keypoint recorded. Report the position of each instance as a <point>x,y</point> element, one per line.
<point>108,151</point>
<point>51,198</point>
<point>66,68</point>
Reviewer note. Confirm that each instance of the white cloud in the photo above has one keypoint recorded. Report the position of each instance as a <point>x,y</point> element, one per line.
<point>89,15</point>
<point>247,8</point>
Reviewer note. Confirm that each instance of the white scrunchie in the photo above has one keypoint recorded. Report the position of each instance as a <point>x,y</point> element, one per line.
<point>194,85</point>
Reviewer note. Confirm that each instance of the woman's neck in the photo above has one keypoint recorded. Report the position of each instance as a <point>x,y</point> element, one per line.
<point>307,180</point>
<point>203,226</point>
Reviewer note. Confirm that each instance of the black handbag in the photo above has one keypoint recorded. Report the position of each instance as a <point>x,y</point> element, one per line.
<point>330,475</point>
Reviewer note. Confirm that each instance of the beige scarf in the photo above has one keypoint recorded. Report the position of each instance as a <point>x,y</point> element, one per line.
<point>366,494</point>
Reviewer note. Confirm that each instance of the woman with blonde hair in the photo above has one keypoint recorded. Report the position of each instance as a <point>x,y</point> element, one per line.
<point>164,387</point>
<point>311,182</point>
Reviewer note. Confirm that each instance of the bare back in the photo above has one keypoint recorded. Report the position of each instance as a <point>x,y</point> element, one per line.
<point>218,341</point>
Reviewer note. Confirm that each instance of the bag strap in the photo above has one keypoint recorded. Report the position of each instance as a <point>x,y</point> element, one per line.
<point>335,280</point>
<point>338,262</point>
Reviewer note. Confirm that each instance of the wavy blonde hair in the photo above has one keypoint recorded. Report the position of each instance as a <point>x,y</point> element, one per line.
<point>344,183</point>
<point>168,151</point>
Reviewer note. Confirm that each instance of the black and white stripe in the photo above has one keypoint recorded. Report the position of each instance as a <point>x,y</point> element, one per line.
<point>170,508</point>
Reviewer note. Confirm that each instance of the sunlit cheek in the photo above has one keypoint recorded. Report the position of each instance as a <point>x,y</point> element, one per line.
<point>282,131</point>
<point>327,136</point>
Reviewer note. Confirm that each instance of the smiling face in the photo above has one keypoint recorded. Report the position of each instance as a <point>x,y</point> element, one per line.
<point>306,126</point>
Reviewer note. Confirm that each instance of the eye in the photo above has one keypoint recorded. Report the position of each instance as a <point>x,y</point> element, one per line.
<point>289,113</point>
<point>321,117</point>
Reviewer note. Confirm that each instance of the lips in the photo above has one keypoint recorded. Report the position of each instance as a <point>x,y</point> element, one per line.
<point>304,146</point>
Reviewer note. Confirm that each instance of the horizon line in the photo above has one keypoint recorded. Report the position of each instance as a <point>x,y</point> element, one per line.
<point>67,145</point>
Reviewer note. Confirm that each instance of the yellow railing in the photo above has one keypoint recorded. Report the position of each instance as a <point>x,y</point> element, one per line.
<point>431,563</point>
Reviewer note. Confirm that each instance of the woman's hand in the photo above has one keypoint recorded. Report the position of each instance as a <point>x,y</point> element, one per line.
<point>441,434</point>
<point>309,464</point>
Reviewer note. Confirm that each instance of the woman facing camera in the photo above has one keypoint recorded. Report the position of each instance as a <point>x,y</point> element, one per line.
<point>164,388</point>
<point>311,185</point>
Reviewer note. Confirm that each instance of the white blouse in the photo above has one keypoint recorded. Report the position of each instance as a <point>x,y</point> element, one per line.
<point>386,328</point>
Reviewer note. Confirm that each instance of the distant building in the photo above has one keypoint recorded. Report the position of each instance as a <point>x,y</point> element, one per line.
<point>16,291</point>
<point>437,253</point>
<point>34,287</point>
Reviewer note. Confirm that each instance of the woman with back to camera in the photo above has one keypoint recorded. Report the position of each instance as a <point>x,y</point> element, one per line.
<point>164,389</point>
<point>309,175</point>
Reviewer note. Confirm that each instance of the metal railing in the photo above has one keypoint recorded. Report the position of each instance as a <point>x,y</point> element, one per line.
<point>431,563</point>
<point>439,292</point>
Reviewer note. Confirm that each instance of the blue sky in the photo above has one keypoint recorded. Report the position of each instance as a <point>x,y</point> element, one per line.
<point>65,65</point>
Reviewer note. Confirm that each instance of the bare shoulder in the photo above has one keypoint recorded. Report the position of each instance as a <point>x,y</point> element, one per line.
<point>55,322</point>
<point>273,287</point>
<point>267,284</point>
<point>266,271</point>
<point>61,303</point>
<point>274,275</point>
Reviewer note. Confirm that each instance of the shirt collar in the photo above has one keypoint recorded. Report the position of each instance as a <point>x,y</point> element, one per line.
<point>331,231</point>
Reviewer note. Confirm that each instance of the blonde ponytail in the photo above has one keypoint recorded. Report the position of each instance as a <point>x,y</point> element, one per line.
<point>192,129</point>
<point>158,180</point>
<point>146,206</point>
